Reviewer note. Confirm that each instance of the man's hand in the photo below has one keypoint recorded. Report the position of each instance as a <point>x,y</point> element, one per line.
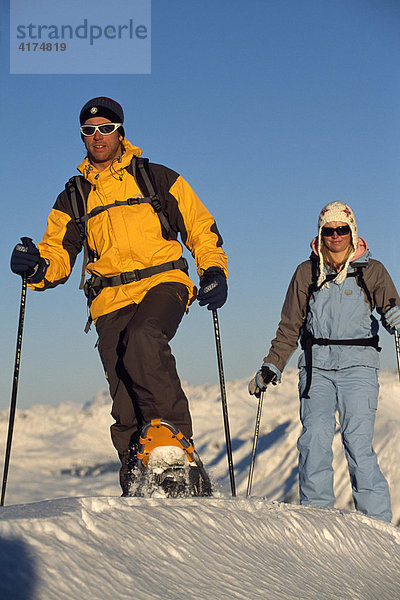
<point>26,259</point>
<point>213,288</point>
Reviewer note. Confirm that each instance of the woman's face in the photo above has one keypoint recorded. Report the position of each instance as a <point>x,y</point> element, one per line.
<point>335,242</point>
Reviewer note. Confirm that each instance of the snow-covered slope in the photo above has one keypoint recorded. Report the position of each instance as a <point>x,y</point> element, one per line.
<point>66,534</point>
<point>196,549</point>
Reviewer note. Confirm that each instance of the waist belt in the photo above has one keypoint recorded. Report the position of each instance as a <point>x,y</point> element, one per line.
<point>308,340</point>
<point>96,283</point>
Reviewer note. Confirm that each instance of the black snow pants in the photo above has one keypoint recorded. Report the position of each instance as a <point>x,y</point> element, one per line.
<point>139,365</point>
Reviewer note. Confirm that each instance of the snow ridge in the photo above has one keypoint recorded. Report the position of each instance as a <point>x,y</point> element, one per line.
<point>108,548</point>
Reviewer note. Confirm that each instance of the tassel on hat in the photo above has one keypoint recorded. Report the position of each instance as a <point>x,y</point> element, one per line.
<point>337,211</point>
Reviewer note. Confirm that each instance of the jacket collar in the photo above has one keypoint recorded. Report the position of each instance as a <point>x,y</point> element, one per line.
<point>90,172</point>
<point>361,257</point>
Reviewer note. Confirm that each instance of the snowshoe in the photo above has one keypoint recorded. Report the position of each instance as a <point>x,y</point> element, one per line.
<point>168,463</point>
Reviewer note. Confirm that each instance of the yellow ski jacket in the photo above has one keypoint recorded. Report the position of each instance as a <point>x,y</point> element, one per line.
<point>129,237</point>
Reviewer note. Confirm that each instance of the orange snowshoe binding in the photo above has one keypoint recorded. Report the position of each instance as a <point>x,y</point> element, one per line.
<point>169,462</point>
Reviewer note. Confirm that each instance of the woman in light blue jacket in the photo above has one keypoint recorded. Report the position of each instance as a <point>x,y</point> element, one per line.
<point>329,306</point>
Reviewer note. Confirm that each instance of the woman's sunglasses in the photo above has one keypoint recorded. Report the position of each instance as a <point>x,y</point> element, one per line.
<point>104,129</point>
<point>329,231</point>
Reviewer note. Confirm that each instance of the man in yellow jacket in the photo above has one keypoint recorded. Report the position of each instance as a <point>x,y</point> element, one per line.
<point>139,288</point>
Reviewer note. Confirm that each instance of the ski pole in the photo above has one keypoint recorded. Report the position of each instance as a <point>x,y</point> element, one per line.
<point>392,303</point>
<point>15,382</point>
<point>396,342</point>
<point>224,403</point>
<point>255,440</point>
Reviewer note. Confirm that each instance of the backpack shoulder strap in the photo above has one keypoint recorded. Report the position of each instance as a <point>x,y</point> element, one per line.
<point>76,202</point>
<point>359,275</point>
<point>140,167</point>
<point>78,191</point>
<point>314,278</point>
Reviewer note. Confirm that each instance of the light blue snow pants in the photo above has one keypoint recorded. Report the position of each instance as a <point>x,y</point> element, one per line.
<point>353,392</point>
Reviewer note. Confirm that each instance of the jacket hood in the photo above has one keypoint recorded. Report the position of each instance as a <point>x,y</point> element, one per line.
<point>89,171</point>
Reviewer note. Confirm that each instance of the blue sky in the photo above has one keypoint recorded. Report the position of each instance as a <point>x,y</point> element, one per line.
<point>270,109</point>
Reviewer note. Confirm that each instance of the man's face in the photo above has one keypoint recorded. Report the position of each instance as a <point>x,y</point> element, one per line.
<point>102,149</point>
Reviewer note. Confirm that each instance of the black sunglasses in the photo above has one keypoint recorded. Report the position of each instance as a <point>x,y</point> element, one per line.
<point>329,231</point>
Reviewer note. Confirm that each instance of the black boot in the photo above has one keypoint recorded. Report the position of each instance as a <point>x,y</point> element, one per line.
<point>128,471</point>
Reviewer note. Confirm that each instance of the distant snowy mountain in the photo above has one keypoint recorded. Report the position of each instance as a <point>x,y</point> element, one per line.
<point>66,534</point>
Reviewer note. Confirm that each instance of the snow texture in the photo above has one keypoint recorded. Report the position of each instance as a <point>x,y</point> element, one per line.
<point>65,533</point>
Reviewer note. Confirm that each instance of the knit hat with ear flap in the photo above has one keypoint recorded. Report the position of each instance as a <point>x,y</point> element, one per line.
<point>339,212</point>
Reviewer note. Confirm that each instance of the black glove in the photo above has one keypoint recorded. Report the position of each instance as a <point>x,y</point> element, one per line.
<point>260,381</point>
<point>213,288</point>
<point>26,259</point>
